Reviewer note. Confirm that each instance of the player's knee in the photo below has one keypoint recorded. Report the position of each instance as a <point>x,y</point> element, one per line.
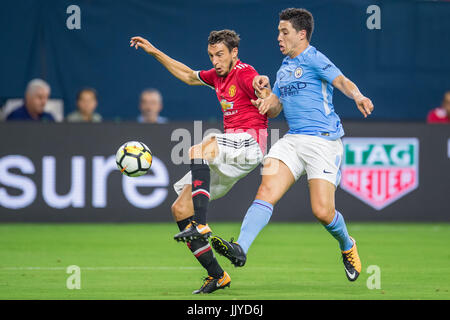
<point>323,213</point>
<point>210,148</point>
<point>210,138</point>
<point>195,152</point>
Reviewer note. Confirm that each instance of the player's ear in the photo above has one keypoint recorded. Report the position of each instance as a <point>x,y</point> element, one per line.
<point>234,52</point>
<point>302,34</point>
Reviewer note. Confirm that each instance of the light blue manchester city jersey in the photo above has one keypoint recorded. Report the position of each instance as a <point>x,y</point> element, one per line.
<point>304,87</point>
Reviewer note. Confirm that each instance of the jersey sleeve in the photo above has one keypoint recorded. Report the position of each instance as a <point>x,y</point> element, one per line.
<point>207,77</point>
<point>245,79</point>
<point>324,67</point>
<point>276,89</point>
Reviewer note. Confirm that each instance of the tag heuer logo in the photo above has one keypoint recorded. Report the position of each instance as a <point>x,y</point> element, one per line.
<point>379,171</point>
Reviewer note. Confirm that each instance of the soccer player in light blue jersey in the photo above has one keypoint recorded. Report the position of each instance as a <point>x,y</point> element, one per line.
<point>304,90</point>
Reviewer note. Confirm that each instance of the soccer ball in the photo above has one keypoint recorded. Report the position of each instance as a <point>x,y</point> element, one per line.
<point>134,159</point>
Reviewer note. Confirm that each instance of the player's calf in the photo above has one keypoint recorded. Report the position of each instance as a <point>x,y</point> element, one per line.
<point>338,229</point>
<point>182,208</point>
<point>201,177</point>
<point>202,251</point>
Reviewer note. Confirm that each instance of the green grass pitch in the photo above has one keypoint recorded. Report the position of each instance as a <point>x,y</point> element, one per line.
<point>287,261</point>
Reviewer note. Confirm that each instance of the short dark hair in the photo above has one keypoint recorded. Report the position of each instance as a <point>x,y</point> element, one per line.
<point>229,37</point>
<point>301,19</point>
<point>92,90</point>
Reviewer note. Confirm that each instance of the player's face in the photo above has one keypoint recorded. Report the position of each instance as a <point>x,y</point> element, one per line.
<point>222,58</point>
<point>289,39</point>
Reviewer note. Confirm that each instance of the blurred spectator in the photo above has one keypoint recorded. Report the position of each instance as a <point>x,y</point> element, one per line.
<point>442,113</point>
<point>86,104</point>
<point>150,106</point>
<point>36,97</point>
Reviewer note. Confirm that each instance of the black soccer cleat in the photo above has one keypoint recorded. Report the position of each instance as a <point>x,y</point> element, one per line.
<point>212,284</point>
<point>352,263</point>
<point>193,231</point>
<point>230,250</point>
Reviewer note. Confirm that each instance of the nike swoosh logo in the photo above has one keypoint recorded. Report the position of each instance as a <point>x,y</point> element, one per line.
<point>324,171</point>
<point>219,283</point>
<point>202,229</point>
<point>351,275</point>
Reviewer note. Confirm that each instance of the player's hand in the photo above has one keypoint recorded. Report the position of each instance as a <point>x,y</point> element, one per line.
<point>139,42</point>
<point>261,82</point>
<point>263,105</point>
<point>264,93</point>
<point>364,105</point>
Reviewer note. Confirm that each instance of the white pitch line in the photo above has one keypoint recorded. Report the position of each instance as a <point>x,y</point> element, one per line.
<point>142,268</point>
<point>99,268</point>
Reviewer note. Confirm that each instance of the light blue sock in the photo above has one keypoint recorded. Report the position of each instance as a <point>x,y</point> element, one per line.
<point>256,218</point>
<point>338,230</point>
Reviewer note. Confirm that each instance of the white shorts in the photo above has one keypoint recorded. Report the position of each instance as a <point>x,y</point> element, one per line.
<point>317,157</point>
<point>238,155</point>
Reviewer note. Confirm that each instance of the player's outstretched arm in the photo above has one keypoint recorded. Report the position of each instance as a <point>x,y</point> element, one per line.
<point>270,105</point>
<point>350,89</point>
<point>179,70</point>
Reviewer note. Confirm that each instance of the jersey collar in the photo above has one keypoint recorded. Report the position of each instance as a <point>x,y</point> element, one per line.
<point>235,66</point>
<point>298,56</point>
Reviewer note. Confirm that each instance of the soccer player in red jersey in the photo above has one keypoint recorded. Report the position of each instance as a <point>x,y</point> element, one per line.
<point>220,160</point>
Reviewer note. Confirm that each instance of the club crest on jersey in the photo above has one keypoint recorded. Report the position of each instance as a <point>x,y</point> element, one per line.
<point>298,72</point>
<point>379,171</point>
<point>232,91</point>
<point>226,105</point>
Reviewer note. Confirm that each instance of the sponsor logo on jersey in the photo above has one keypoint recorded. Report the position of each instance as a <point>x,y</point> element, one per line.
<point>226,105</point>
<point>380,171</point>
<point>292,89</point>
<point>232,91</point>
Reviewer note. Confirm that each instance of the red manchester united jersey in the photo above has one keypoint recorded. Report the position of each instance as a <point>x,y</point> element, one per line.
<point>234,93</point>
